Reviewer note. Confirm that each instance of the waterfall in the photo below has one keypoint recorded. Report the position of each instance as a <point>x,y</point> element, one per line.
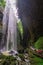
<point>12,31</point>
<point>10,26</point>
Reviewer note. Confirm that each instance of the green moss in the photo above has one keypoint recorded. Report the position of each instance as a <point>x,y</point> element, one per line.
<point>20,27</point>
<point>39,43</point>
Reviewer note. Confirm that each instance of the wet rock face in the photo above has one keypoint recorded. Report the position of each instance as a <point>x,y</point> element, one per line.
<point>31,14</point>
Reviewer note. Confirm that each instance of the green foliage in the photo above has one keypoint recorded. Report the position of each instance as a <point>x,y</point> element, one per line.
<point>13,63</point>
<point>21,56</point>
<point>2,3</point>
<point>7,60</point>
<point>39,43</point>
<point>10,60</point>
<point>36,60</point>
<point>2,56</point>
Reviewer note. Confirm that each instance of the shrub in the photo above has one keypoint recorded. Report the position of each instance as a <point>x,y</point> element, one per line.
<point>39,43</point>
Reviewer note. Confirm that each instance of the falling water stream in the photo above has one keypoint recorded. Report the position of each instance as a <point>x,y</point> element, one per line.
<point>10,24</point>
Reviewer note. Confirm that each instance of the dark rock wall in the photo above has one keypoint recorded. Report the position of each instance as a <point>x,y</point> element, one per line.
<point>31,14</point>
